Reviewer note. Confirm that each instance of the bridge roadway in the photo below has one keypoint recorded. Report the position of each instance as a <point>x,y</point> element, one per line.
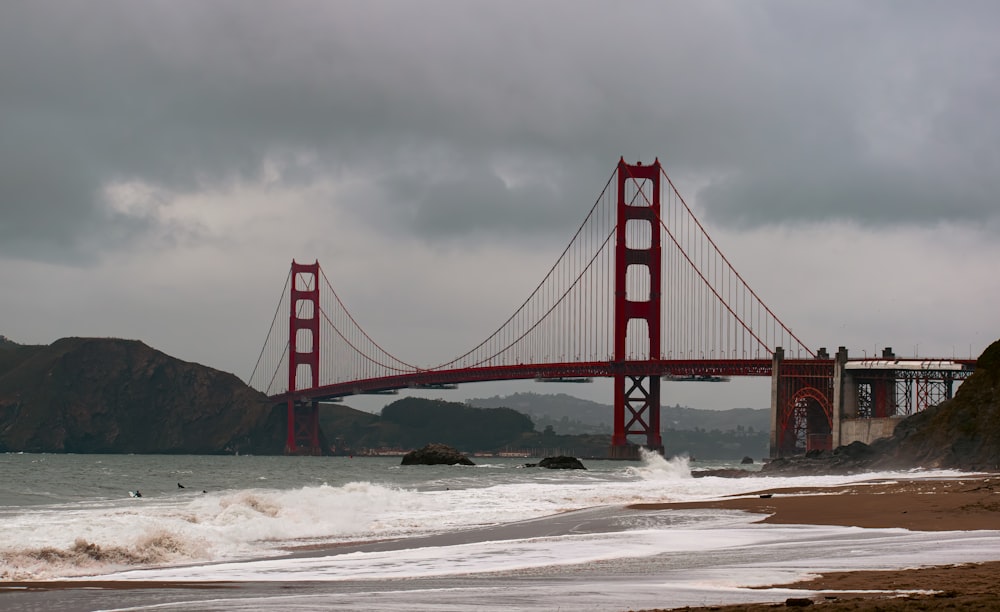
<point>595,369</point>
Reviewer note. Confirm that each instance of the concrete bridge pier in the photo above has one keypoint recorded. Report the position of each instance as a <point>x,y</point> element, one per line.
<point>823,403</point>
<point>777,358</point>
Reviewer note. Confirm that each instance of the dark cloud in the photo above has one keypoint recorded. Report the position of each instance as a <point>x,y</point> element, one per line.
<point>878,112</point>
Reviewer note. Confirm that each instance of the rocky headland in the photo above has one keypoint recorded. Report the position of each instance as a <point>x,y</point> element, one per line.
<point>105,395</point>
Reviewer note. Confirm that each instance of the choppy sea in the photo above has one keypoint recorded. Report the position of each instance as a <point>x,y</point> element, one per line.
<point>320,533</point>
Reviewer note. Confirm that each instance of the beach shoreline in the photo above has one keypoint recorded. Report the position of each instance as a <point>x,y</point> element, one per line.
<point>965,503</point>
<point>921,504</point>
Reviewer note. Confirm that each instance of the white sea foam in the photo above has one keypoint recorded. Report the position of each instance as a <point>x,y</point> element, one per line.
<point>655,467</point>
<point>82,539</point>
<point>102,535</point>
<point>708,551</point>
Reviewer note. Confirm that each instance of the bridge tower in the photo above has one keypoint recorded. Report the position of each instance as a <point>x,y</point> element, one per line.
<point>303,350</point>
<point>637,396</point>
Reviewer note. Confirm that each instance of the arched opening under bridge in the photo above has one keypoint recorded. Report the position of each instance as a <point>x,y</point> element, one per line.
<point>807,423</point>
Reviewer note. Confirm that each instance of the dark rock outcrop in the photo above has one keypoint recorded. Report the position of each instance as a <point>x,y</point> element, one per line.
<point>961,433</point>
<point>436,454</point>
<point>851,459</point>
<point>561,462</point>
<point>748,460</point>
<point>103,395</point>
<point>722,473</point>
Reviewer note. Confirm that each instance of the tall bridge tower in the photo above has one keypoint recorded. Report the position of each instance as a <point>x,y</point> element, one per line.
<point>303,350</point>
<point>637,307</point>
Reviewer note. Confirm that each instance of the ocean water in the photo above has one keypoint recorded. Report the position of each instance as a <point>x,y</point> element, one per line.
<point>316,533</point>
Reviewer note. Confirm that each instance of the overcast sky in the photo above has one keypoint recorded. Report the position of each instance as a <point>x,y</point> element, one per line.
<point>161,163</point>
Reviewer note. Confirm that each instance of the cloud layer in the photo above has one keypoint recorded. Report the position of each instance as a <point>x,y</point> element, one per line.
<point>163,159</point>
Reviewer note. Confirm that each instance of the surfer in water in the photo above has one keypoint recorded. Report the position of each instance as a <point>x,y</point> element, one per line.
<point>135,493</point>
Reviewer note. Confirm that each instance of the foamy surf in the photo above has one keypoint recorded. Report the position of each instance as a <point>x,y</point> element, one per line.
<point>366,500</point>
<point>654,466</point>
<point>71,541</point>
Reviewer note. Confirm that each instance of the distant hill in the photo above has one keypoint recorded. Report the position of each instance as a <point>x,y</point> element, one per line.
<point>571,415</point>
<point>414,422</point>
<point>104,395</point>
<point>706,434</point>
<point>566,414</point>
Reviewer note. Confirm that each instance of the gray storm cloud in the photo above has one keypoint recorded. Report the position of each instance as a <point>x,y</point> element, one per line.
<point>877,112</point>
<point>161,162</point>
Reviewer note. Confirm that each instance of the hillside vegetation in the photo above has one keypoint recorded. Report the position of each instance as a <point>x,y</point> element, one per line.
<point>414,422</point>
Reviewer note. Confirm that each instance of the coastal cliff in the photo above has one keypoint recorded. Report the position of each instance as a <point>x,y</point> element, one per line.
<point>963,432</point>
<point>103,395</point>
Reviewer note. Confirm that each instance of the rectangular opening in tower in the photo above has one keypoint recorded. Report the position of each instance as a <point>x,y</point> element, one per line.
<point>304,309</point>
<point>638,234</point>
<point>304,341</point>
<point>637,283</point>
<point>639,192</point>
<point>637,340</point>
<point>303,377</point>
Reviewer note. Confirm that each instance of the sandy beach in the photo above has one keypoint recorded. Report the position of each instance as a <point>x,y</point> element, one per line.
<point>971,503</point>
<point>922,505</point>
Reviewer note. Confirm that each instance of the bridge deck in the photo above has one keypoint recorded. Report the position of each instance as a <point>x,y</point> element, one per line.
<point>676,368</point>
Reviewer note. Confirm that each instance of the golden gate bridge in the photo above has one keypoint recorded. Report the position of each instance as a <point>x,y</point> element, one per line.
<point>641,292</point>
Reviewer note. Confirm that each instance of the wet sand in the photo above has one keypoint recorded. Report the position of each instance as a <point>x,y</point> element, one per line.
<point>919,505</point>
<point>971,503</point>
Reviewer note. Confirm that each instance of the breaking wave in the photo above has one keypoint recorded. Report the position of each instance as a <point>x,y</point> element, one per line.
<point>77,540</point>
<point>655,467</point>
<point>84,557</point>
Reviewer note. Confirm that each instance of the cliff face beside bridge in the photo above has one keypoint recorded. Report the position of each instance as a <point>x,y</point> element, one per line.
<point>963,432</point>
<point>99,395</point>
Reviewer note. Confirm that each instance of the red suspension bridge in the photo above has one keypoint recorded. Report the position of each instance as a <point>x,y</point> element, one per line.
<point>641,292</point>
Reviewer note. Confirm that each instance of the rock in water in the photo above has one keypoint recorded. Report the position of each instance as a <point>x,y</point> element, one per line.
<point>722,473</point>
<point>561,463</point>
<point>748,460</point>
<point>436,454</point>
